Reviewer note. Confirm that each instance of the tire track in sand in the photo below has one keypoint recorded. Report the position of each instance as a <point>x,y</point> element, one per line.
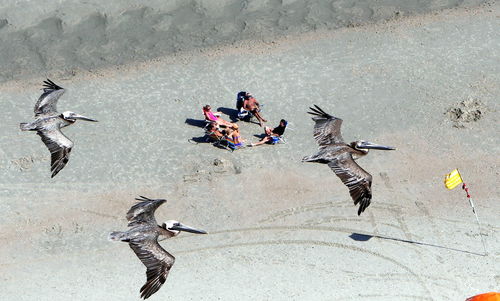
<point>315,243</point>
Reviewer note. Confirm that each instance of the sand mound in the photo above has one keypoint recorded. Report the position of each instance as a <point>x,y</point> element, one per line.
<point>466,111</point>
<point>55,39</point>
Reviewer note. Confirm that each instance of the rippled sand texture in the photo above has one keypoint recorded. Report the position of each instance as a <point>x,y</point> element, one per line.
<point>279,229</point>
<point>65,37</point>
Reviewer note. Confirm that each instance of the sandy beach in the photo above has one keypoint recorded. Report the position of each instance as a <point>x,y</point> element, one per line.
<point>426,82</point>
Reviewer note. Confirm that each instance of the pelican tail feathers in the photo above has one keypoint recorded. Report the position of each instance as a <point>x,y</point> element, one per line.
<point>25,126</point>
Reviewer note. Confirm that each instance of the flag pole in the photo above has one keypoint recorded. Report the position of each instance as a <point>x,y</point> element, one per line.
<point>464,187</point>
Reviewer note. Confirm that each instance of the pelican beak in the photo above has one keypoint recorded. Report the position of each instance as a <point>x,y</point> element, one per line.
<point>185,228</point>
<point>369,145</point>
<point>83,118</point>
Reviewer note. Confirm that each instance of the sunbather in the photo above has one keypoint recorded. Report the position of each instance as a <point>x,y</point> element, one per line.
<point>213,131</point>
<point>273,135</point>
<point>230,134</point>
<point>211,116</point>
<point>252,105</point>
<point>233,135</point>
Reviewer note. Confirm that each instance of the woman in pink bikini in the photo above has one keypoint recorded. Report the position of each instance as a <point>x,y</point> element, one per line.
<point>211,116</point>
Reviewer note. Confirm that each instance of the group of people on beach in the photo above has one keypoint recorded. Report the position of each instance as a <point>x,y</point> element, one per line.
<point>247,106</point>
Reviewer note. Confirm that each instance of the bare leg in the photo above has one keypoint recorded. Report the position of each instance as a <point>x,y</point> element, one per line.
<point>262,141</point>
<point>221,122</point>
<point>259,117</point>
<point>229,124</point>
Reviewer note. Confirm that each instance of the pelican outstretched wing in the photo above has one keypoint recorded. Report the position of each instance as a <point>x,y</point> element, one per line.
<point>144,211</point>
<point>355,178</point>
<point>157,261</point>
<point>59,146</point>
<point>327,127</point>
<point>48,100</point>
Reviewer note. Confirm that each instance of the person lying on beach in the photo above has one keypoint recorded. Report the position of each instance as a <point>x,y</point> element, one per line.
<point>211,116</point>
<point>273,135</point>
<point>252,105</point>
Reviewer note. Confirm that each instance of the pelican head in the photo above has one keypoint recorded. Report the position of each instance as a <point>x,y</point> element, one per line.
<point>176,227</point>
<point>364,146</point>
<point>72,117</point>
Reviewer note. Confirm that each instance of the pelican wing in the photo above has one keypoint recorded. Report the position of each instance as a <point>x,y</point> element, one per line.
<point>157,261</point>
<point>327,127</point>
<point>48,100</point>
<point>59,146</point>
<point>144,211</point>
<point>355,178</point>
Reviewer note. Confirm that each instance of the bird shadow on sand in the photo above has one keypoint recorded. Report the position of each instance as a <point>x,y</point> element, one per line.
<point>196,122</point>
<point>367,237</point>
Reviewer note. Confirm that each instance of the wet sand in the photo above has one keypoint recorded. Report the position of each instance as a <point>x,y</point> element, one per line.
<point>279,229</point>
<point>68,37</point>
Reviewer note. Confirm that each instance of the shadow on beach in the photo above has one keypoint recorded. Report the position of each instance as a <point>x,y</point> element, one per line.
<point>367,237</point>
<point>231,113</point>
<point>196,122</point>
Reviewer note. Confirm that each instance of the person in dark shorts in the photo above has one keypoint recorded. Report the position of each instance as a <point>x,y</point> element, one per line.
<point>252,105</point>
<point>273,135</point>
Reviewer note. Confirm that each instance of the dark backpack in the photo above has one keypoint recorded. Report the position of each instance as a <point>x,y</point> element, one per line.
<point>240,98</point>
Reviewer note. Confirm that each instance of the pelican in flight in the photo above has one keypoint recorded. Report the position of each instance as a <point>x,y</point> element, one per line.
<point>142,238</point>
<point>48,123</point>
<point>340,156</point>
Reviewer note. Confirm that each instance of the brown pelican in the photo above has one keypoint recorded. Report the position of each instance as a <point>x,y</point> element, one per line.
<point>340,156</point>
<point>48,123</point>
<point>142,237</point>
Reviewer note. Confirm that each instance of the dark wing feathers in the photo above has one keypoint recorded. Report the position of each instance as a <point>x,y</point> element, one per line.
<point>157,261</point>
<point>143,211</point>
<point>59,146</point>
<point>355,178</point>
<point>47,102</point>
<point>327,127</point>
<point>50,86</point>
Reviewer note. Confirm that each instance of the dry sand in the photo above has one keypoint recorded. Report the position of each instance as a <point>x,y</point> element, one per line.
<point>279,229</point>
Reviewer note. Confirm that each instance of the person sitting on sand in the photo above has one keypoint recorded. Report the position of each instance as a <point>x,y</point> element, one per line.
<point>211,116</point>
<point>252,105</point>
<point>231,134</point>
<point>273,135</point>
<point>213,131</point>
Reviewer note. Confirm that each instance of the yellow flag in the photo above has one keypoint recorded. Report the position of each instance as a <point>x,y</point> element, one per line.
<point>452,179</point>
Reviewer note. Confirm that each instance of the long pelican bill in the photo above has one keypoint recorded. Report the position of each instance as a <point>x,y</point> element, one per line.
<point>181,227</point>
<point>369,145</point>
<point>76,116</point>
